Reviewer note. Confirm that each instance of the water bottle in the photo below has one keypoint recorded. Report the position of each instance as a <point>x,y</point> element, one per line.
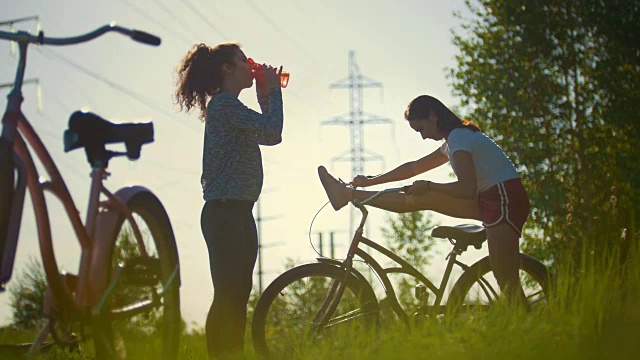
<point>256,71</point>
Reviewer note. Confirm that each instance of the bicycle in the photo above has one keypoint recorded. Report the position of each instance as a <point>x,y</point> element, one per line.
<point>308,302</point>
<point>127,285</point>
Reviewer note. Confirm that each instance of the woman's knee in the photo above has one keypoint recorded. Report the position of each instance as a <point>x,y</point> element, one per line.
<point>232,291</point>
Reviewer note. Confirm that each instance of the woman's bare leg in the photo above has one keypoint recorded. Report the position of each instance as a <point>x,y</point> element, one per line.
<point>504,253</point>
<point>440,203</point>
<point>340,195</point>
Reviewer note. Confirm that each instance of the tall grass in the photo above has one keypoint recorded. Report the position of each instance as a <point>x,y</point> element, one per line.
<point>593,312</point>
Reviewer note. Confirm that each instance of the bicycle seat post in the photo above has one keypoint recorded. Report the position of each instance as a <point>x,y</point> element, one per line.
<point>98,174</point>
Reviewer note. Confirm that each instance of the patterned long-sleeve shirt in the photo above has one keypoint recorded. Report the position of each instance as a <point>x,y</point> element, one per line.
<point>231,161</point>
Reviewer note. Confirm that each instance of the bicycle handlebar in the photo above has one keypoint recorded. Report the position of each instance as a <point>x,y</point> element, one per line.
<point>26,37</point>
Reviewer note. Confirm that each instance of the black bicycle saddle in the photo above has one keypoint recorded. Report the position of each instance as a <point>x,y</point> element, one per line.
<point>473,235</point>
<point>92,132</point>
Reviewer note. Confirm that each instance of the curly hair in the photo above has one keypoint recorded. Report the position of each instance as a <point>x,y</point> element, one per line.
<point>199,75</point>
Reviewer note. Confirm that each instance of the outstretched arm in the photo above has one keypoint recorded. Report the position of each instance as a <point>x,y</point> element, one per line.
<point>405,170</point>
<point>464,188</point>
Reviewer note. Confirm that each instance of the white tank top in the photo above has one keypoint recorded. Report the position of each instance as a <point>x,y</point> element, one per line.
<point>491,164</point>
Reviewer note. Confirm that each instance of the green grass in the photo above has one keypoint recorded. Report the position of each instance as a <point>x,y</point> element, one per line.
<point>593,313</point>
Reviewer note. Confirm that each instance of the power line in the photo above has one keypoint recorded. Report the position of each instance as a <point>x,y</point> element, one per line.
<point>80,93</point>
<point>199,14</point>
<point>275,26</point>
<point>10,23</point>
<point>58,137</point>
<point>266,18</point>
<point>172,14</point>
<point>56,56</point>
<point>115,86</point>
<point>25,82</point>
<point>204,19</point>
<point>157,22</point>
<point>147,162</point>
<point>40,131</point>
<point>23,19</point>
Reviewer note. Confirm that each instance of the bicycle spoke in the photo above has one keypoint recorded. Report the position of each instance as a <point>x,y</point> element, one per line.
<point>287,327</point>
<point>480,290</point>
<point>352,315</point>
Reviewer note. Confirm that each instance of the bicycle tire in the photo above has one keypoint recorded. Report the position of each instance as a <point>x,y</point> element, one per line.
<point>358,294</point>
<point>533,276</point>
<point>154,334</point>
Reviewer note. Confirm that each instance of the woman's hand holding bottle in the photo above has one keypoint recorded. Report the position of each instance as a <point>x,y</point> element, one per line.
<point>265,75</point>
<point>271,76</point>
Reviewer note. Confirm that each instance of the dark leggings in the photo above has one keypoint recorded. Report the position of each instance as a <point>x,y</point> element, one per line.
<point>230,232</point>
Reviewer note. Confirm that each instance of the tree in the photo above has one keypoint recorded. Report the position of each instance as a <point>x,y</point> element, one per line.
<point>27,297</point>
<point>407,235</point>
<point>556,83</point>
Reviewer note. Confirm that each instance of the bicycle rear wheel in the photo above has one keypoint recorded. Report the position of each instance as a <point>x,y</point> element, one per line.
<point>152,332</point>
<point>282,322</point>
<point>477,288</point>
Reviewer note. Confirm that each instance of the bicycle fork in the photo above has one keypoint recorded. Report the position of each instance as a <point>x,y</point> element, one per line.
<point>337,288</point>
<point>332,300</point>
<point>6,192</point>
<point>10,218</point>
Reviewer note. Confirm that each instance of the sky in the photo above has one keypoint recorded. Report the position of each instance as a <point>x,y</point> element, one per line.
<point>405,44</point>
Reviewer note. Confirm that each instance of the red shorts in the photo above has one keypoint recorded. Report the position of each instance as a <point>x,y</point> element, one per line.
<point>505,202</point>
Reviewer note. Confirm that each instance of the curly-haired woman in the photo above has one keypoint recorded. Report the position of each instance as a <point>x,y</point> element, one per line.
<point>210,79</point>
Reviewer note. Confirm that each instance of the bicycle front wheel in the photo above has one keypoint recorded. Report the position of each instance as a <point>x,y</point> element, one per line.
<point>282,322</point>
<point>139,321</point>
<point>477,287</point>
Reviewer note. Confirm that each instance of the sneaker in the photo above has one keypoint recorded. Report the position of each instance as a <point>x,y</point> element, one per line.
<point>335,189</point>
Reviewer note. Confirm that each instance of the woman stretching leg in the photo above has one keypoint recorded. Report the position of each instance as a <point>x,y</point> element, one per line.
<point>488,187</point>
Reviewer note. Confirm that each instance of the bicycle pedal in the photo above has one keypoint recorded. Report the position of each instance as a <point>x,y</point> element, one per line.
<point>141,271</point>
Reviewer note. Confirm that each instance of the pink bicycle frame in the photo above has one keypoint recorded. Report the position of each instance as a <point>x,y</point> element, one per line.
<point>93,269</point>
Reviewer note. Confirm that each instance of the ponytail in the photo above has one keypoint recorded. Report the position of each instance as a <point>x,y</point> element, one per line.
<point>199,75</point>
